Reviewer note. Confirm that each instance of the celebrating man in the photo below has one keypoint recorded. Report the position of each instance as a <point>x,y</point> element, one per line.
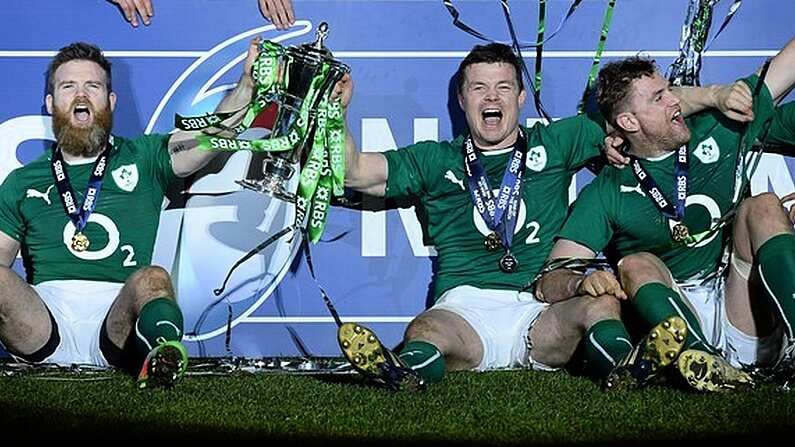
<point>495,198</point>
<point>665,219</point>
<point>85,216</point>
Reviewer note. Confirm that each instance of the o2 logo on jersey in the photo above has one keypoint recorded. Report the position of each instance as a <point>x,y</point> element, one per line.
<point>711,207</point>
<point>219,222</point>
<point>94,254</point>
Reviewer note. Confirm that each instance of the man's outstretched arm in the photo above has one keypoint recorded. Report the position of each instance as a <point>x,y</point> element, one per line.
<point>733,100</point>
<point>186,156</point>
<point>780,76</point>
<point>364,172</point>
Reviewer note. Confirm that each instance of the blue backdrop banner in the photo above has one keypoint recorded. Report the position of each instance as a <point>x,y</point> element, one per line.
<point>374,264</point>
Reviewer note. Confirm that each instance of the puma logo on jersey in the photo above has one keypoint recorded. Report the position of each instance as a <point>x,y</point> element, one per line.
<point>450,176</point>
<point>635,188</point>
<point>32,193</point>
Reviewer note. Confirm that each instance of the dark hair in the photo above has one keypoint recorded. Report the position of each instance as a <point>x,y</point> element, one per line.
<point>77,51</point>
<point>490,54</point>
<point>615,83</point>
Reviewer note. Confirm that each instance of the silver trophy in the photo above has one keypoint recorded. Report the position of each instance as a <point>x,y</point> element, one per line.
<point>297,68</point>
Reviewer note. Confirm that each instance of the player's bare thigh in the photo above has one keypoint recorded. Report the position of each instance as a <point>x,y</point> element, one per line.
<point>25,324</point>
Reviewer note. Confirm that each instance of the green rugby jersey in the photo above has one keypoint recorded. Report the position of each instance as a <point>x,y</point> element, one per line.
<point>613,214</point>
<point>121,229</point>
<point>434,172</point>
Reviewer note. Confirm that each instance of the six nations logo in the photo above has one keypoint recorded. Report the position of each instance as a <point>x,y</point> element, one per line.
<point>204,232</point>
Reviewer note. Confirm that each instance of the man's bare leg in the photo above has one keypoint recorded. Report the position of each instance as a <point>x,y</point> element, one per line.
<point>25,325</point>
<point>650,289</point>
<point>141,287</point>
<point>435,341</point>
<point>760,219</point>
<point>561,327</point>
<point>146,311</point>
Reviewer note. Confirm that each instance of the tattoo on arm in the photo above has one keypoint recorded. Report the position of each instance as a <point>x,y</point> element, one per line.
<point>177,148</point>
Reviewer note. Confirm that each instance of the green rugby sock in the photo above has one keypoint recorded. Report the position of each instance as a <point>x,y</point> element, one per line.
<point>160,320</point>
<point>777,269</point>
<point>606,343</point>
<point>425,359</point>
<point>655,302</point>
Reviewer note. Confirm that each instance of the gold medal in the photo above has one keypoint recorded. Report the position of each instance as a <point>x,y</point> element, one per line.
<point>80,242</point>
<point>492,241</point>
<point>680,232</point>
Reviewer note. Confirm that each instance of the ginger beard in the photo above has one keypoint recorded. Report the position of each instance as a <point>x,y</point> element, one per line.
<point>88,137</point>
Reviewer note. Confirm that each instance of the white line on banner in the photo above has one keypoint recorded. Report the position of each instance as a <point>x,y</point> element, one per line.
<point>410,54</point>
<point>285,320</point>
<point>547,54</point>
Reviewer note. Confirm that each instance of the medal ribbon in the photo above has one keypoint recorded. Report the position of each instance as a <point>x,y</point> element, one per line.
<point>500,214</point>
<point>79,214</point>
<point>676,210</point>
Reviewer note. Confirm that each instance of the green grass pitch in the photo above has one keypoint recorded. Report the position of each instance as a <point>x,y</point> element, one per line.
<point>493,408</point>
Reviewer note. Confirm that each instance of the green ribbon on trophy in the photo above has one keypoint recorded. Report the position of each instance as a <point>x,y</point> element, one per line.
<point>265,74</point>
<point>318,118</point>
<point>324,172</point>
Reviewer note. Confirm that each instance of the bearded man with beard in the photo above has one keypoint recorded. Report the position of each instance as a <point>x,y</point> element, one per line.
<point>85,215</point>
<point>664,222</point>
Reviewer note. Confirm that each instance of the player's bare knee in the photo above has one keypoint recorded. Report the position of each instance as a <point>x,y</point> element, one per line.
<point>604,307</point>
<point>424,327</point>
<point>639,268</point>
<point>444,332</point>
<point>763,209</point>
<point>152,278</point>
<point>148,283</point>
